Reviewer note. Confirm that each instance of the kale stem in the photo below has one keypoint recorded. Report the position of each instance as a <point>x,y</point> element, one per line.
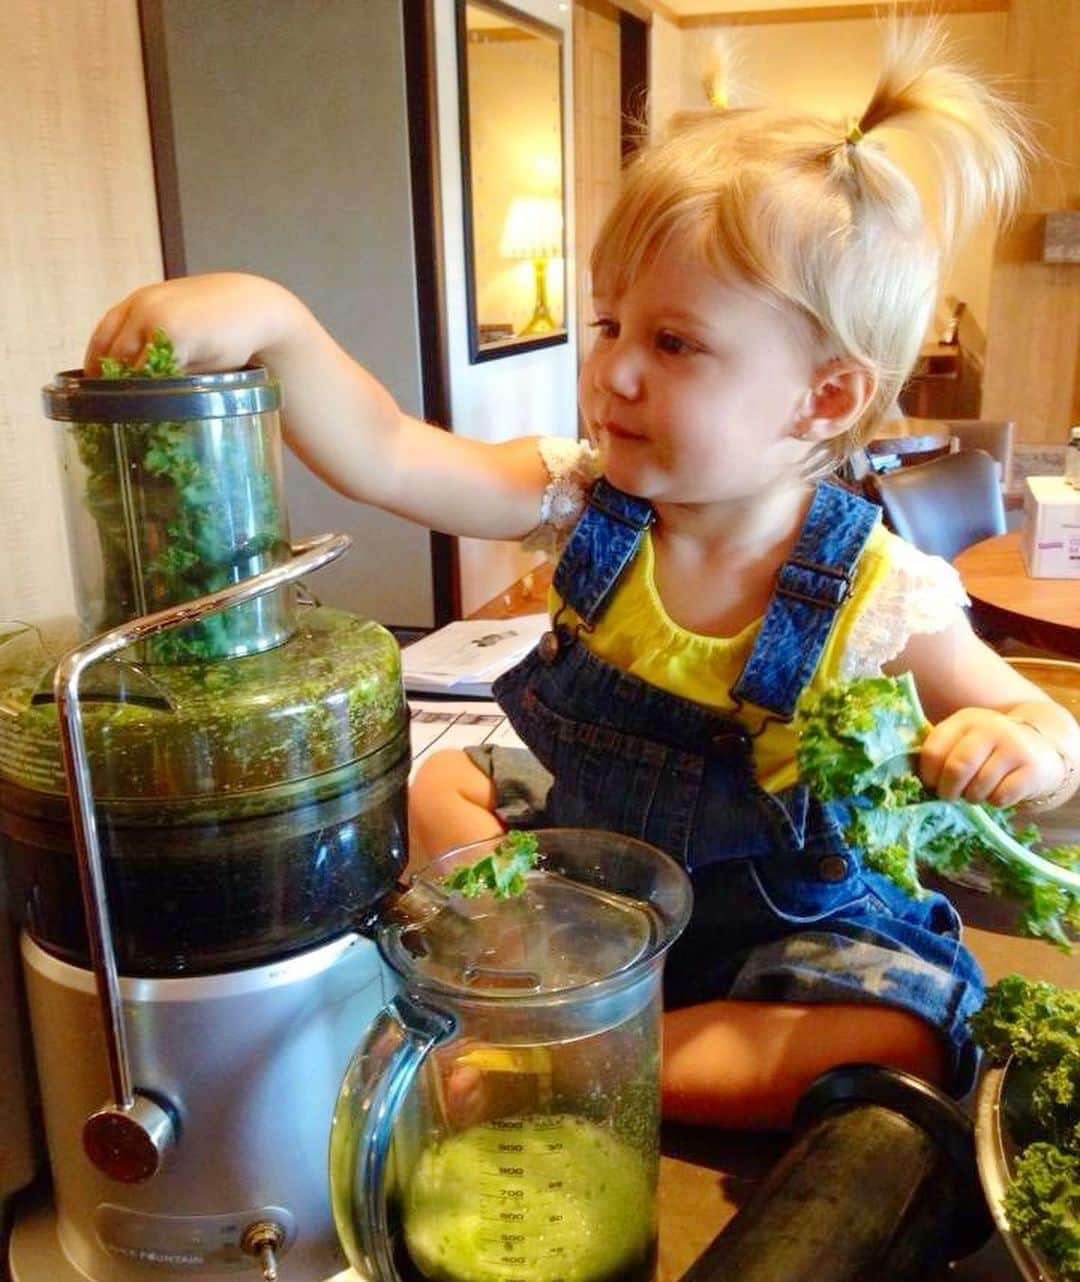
<point>1000,842</point>
<point>906,683</point>
<point>1003,844</point>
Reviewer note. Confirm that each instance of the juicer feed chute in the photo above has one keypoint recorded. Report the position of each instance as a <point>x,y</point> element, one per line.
<point>202,789</point>
<point>174,490</point>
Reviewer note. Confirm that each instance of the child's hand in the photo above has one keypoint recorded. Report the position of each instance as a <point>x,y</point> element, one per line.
<point>981,755</point>
<point>215,322</point>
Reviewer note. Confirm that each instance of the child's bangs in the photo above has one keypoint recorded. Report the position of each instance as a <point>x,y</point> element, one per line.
<point>636,230</point>
<point>739,220</point>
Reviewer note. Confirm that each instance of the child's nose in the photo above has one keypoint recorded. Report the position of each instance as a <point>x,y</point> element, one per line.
<point>618,370</point>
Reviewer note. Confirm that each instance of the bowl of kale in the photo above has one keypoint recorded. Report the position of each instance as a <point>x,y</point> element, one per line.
<point>1027,1123</point>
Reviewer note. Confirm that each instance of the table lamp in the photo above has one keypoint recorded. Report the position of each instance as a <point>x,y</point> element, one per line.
<point>533,231</point>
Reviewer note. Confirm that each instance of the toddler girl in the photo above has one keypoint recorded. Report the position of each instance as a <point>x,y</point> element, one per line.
<point>762,287</point>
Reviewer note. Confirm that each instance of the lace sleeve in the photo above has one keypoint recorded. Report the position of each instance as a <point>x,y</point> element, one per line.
<point>572,468</point>
<point>917,594</point>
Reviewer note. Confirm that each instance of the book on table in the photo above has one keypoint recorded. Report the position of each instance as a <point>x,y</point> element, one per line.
<point>463,658</point>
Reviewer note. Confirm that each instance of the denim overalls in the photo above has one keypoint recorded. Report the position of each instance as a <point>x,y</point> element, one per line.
<point>782,908</point>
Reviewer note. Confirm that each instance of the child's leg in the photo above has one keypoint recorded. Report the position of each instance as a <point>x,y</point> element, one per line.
<point>742,1065</point>
<point>451,802</point>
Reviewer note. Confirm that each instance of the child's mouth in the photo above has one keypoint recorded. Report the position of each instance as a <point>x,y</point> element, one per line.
<point>620,433</point>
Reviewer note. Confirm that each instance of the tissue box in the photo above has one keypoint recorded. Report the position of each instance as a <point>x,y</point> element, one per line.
<point>1050,541</point>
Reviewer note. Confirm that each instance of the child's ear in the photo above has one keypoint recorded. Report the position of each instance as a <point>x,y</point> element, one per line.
<point>839,393</point>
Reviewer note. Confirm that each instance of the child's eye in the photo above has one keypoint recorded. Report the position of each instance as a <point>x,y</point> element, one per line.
<point>608,328</point>
<point>672,344</point>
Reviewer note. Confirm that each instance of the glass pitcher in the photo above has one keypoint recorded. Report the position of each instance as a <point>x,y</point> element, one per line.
<point>517,1069</point>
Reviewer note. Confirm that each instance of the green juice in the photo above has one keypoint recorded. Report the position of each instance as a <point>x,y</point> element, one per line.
<point>542,1198</point>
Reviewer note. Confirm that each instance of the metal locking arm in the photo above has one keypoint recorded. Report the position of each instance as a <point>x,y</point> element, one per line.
<point>128,1137</point>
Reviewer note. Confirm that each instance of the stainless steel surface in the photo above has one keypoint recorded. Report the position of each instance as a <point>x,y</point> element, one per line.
<point>993,1150</point>
<point>308,556</point>
<point>253,1060</point>
<point>128,1144</point>
<point>73,398</point>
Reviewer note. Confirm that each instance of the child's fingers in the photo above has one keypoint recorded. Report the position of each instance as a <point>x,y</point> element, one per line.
<point>987,782</point>
<point>1016,786</point>
<point>103,337</point>
<point>962,766</point>
<point>949,757</point>
<point>125,332</point>
<point>983,757</point>
<point>971,764</point>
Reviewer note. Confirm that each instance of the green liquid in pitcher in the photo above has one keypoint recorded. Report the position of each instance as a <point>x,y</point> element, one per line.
<point>542,1198</point>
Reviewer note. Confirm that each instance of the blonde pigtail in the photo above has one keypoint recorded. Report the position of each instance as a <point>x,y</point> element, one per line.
<point>980,139</point>
<point>721,72</point>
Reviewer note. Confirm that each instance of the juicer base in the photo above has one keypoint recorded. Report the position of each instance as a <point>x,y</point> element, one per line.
<point>252,1062</point>
<point>35,1254</point>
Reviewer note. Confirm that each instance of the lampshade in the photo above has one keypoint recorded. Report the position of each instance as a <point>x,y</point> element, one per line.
<point>533,228</point>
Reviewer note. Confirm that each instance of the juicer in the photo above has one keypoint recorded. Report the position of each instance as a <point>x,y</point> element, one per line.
<point>202,794</point>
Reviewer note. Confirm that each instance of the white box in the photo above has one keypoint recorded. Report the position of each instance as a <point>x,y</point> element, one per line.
<point>1050,541</point>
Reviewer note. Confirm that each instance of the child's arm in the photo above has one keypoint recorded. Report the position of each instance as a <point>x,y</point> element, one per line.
<point>339,419</point>
<point>997,737</point>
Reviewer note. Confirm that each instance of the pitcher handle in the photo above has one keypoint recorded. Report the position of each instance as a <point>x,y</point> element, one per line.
<point>379,1077</point>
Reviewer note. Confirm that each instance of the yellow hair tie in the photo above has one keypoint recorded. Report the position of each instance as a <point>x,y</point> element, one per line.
<point>716,92</point>
<point>854,133</point>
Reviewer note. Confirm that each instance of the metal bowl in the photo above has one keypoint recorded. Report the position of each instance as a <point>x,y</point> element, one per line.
<point>995,1151</point>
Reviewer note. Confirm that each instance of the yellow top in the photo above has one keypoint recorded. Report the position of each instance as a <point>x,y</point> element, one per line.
<point>636,634</point>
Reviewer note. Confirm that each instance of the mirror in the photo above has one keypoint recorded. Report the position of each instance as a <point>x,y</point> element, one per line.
<point>512,170</point>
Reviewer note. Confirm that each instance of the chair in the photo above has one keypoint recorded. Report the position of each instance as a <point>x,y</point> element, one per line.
<point>996,438</point>
<point>946,505</point>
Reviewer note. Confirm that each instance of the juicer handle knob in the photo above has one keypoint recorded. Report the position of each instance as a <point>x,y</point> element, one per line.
<point>129,1144</point>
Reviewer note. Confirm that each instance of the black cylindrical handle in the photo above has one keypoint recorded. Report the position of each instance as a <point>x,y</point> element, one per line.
<point>871,1188</point>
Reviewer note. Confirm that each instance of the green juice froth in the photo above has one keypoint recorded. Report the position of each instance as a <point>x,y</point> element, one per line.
<point>542,1198</point>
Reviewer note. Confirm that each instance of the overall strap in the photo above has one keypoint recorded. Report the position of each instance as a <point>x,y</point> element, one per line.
<point>600,548</point>
<point>810,587</point>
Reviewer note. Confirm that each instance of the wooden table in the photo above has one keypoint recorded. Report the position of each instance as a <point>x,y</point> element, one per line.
<point>1040,612</point>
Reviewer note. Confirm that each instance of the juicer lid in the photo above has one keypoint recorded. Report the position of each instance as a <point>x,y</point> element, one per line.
<point>600,905</point>
<point>73,398</point>
<point>223,734</point>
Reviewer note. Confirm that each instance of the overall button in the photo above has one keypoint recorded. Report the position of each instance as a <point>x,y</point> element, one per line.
<point>832,868</point>
<point>548,647</point>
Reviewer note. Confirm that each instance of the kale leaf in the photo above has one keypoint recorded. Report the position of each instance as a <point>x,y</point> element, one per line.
<point>502,873</point>
<point>159,361</point>
<point>858,742</point>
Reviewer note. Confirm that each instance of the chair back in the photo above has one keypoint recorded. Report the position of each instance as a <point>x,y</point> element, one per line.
<point>946,505</point>
<point>995,437</point>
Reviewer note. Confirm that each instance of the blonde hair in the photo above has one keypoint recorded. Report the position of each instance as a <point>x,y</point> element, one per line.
<point>810,212</point>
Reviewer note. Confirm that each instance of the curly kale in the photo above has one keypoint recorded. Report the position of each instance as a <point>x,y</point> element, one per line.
<point>191,546</point>
<point>502,873</point>
<point>858,742</point>
<point>1043,1205</point>
<point>1037,1027</point>
<point>159,361</point>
